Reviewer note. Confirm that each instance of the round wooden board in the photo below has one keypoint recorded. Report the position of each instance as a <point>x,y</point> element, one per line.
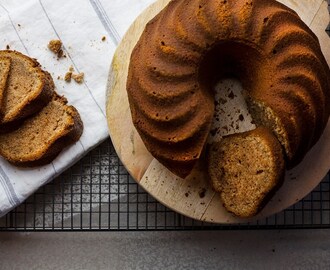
<point>193,196</point>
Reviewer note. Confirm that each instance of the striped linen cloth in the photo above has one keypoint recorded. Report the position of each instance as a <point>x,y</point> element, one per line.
<point>27,26</point>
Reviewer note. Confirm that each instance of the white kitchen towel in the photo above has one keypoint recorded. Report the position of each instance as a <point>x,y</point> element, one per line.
<point>27,26</point>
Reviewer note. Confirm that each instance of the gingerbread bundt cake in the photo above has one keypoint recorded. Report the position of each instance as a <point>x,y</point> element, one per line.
<point>191,44</point>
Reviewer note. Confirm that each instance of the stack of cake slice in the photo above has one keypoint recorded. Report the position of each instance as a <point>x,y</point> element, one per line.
<point>35,122</point>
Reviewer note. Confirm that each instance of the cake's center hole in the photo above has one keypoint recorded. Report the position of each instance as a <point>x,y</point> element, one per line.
<point>231,113</point>
<point>227,69</point>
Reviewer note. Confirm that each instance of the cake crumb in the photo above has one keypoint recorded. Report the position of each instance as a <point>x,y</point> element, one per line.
<point>55,45</point>
<point>79,78</point>
<point>67,76</point>
<point>8,47</point>
<point>58,77</point>
<point>104,38</point>
<point>60,54</point>
<point>201,193</point>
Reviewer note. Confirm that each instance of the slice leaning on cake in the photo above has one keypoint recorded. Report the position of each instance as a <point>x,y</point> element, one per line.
<point>35,122</point>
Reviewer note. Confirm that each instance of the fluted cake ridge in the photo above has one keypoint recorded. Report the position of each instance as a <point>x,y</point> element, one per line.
<point>191,44</point>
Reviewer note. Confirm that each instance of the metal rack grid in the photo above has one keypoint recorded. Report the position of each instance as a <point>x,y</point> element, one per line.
<point>98,194</point>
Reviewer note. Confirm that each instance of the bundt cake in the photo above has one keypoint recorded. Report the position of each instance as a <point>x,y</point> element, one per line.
<point>191,44</point>
<point>246,169</point>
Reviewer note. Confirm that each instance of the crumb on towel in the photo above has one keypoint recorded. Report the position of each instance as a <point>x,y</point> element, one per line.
<point>79,78</point>
<point>55,45</point>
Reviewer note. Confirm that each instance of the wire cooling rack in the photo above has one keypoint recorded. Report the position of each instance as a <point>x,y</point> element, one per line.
<point>98,194</point>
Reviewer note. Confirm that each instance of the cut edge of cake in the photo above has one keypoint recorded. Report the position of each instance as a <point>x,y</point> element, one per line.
<point>246,169</point>
<point>11,146</point>
<point>34,101</point>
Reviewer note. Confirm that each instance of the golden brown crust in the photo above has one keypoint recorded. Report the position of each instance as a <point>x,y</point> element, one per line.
<point>4,72</point>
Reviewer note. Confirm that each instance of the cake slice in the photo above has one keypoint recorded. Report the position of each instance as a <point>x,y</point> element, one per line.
<point>4,72</point>
<point>246,169</point>
<point>28,88</point>
<point>42,137</point>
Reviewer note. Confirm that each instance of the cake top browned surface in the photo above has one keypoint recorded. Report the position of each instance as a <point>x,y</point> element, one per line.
<point>191,44</point>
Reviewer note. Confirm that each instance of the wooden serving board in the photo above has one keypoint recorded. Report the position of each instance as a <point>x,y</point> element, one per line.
<point>193,196</point>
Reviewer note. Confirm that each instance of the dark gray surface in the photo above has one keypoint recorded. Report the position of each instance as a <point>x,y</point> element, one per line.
<point>290,249</point>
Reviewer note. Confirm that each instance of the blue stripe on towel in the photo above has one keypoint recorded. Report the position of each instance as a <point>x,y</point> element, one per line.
<point>109,27</point>
<point>8,188</point>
